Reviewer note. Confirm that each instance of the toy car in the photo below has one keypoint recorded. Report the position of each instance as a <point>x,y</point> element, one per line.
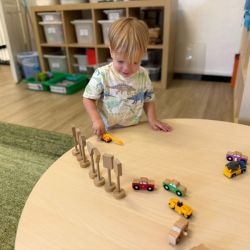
<point>175,187</point>
<point>234,168</point>
<point>236,156</point>
<point>108,138</point>
<point>143,183</point>
<point>181,208</point>
<point>179,228</point>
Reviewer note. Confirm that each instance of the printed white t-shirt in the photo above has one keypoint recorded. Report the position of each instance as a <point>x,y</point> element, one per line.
<point>119,100</point>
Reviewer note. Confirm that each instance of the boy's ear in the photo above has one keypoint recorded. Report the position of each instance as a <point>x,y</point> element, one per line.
<point>111,52</point>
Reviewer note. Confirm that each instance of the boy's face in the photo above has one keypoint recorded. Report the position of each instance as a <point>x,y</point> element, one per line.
<point>123,67</point>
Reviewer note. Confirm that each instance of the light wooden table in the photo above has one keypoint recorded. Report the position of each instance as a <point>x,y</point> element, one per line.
<point>66,211</point>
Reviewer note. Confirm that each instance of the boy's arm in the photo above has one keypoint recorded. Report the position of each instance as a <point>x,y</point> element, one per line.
<point>149,108</point>
<point>98,124</point>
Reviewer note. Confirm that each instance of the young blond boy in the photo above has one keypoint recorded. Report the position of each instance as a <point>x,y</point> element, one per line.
<point>122,89</point>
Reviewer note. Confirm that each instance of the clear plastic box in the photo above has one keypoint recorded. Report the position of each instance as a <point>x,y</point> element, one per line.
<point>84,31</point>
<point>115,14</point>
<point>50,16</point>
<point>53,32</point>
<point>81,59</point>
<point>154,72</point>
<point>28,60</point>
<point>46,2</point>
<point>57,62</point>
<point>81,69</point>
<point>105,30</point>
<point>73,1</point>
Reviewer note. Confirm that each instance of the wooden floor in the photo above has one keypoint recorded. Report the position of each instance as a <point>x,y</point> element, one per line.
<point>54,112</point>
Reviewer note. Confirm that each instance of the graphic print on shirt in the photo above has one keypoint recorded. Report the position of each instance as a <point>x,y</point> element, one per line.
<point>112,102</point>
<point>121,88</point>
<point>139,96</point>
<point>148,94</point>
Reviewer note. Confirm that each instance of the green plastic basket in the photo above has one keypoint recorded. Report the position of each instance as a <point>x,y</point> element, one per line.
<point>70,89</point>
<point>41,86</point>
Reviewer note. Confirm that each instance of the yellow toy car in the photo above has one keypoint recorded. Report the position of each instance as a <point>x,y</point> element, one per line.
<point>181,208</point>
<point>108,138</point>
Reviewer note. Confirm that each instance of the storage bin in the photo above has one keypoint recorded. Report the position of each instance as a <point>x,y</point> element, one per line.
<point>115,14</point>
<point>81,59</point>
<point>28,60</point>
<point>50,16</point>
<point>105,29</point>
<point>154,72</point>
<point>73,1</point>
<point>46,2</point>
<point>41,86</point>
<point>70,89</point>
<point>53,32</point>
<point>84,31</point>
<point>91,56</point>
<point>152,57</point>
<point>57,62</point>
<point>82,69</point>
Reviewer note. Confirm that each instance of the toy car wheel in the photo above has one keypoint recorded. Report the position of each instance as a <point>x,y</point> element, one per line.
<point>233,175</point>
<point>166,187</point>
<point>136,187</point>
<point>243,160</point>
<point>243,171</point>
<point>178,193</point>
<point>178,240</point>
<point>230,158</point>
<point>150,188</point>
<point>187,216</point>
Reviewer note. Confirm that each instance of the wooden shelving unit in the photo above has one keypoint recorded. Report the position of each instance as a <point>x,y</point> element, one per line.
<point>242,85</point>
<point>95,10</point>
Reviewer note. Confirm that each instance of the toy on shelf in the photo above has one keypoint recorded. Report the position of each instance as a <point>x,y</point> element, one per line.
<point>42,77</point>
<point>118,192</point>
<point>143,183</point>
<point>73,77</point>
<point>234,168</point>
<point>99,180</point>
<point>108,163</point>
<point>108,138</point>
<point>181,208</point>
<point>236,156</point>
<point>84,163</point>
<point>78,135</point>
<point>200,247</point>
<point>179,229</point>
<point>92,172</point>
<point>175,187</point>
<point>74,151</point>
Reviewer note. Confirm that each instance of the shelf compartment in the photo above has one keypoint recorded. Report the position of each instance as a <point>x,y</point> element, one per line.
<point>69,16</point>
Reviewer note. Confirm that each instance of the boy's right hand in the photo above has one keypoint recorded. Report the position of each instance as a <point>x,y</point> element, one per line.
<point>99,128</point>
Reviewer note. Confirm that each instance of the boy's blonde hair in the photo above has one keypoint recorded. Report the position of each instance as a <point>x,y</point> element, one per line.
<point>129,37</point>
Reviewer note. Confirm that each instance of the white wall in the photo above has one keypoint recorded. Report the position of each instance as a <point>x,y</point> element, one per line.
<point>208,36</point>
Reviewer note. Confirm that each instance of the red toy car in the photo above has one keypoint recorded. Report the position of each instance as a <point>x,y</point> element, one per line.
<point>143,183</point>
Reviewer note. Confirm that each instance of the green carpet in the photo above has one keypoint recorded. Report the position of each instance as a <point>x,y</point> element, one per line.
<point>25,154</point>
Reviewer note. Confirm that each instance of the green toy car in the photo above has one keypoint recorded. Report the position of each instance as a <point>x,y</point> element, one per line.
<point>175,187</point>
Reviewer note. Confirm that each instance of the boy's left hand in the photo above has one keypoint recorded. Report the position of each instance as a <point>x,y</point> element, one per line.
<point>157,125</point>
